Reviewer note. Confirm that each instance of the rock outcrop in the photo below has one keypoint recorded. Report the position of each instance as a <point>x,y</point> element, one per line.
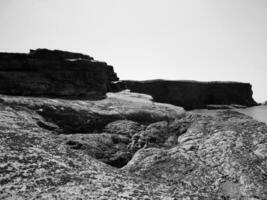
<point>65,149</point>
<point>55,73</point>
<point>194,94</point>
<point>219,157</point>
<point>103,128</point>
<point>123,146</point>
<point>52,148</point>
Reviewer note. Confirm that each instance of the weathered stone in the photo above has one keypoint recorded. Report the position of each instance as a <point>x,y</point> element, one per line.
<point>36,164</point>
<point>108,148</point>
<point>82,124</point>
<point>55,73</point>
<point>217,158</point>
<point>124,127</point>
<point>194,94</point>
<point>162,134</point>
<point>183,156</point>
<point>75,116</point>
<point>72,149</point>
<point>232,106</point>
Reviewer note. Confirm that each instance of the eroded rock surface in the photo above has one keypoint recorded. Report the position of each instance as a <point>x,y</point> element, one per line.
<point>194,94</point>
<point>127,147</point>
<point>103,129</point>
<point>55,73</point>
<point>221,157</point>
<point>35,164</point>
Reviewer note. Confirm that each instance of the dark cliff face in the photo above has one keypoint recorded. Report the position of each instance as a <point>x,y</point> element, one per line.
<point>193,94</point>
<point>54,73</point>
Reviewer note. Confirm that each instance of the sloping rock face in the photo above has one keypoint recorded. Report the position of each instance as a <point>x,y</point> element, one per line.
<point>193,94</point>
<point>45,155</point>
<point>219,157</point>
<point>55,73</point>
<point>104,129</point>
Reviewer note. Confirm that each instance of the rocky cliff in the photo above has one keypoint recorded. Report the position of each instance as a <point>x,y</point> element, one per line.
<point>193,94</point>
<point>54,73</point>
<point>124,146</point>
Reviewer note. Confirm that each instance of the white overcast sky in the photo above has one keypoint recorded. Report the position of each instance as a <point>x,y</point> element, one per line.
<point>204,40</point>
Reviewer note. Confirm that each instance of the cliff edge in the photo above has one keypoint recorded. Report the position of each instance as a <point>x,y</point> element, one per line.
<point>54,73</point>
<point>194,94</point>
<point>124,146</point>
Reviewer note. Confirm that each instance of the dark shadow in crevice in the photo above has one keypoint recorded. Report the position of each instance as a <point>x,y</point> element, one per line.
<point>119,162</point>
<point>117,159</point>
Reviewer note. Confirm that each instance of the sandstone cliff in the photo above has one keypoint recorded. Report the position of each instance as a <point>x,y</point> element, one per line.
<point>55,73</point>
<point>193,94</point>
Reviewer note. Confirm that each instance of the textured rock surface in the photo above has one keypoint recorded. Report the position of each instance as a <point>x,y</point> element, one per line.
<point>221,157</point>
<point>216,107</point>
<point>35,164</point>
<point>41,157</point>
<point>176,155</point>
<point>55,73</point>
<point>111,122</point>
<point>124,146</point>
<point>56,149</point>
<point>193,94</point>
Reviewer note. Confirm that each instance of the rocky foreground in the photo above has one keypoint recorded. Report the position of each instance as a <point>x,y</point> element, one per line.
<point>127,147</point>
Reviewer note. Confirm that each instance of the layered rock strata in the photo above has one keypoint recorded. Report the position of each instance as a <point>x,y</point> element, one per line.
<point>55,73</point>
<point>194,94</point>
<point>123,146</point>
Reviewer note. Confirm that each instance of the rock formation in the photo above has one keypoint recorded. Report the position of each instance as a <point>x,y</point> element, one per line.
<point>57,149</point>
<point>55,73</point>
<point>50,147</point>
<point>104,128</point>
<point>215,159</point>
<point>124,146</point>
<point>193,94</point>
